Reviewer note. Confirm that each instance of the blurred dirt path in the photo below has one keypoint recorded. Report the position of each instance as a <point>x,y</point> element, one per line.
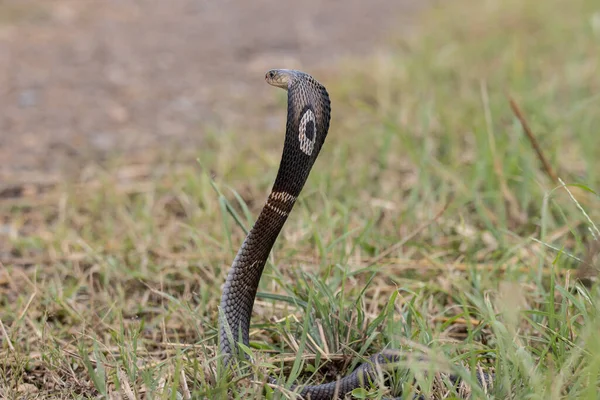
<point>83,78</point>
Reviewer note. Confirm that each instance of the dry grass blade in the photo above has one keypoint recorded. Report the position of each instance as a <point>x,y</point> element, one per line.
<point>408,237</point>
<point>5,334</point>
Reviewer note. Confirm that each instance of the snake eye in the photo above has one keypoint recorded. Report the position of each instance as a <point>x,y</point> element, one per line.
<point>270,74</point>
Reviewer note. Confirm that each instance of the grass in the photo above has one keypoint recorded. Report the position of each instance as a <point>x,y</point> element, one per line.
<point>428,224</point>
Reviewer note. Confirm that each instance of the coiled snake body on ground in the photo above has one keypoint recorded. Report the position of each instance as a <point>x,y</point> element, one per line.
<point>308,117</point>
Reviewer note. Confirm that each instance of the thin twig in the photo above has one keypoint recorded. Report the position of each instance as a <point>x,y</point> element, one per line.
<point>534,143</point>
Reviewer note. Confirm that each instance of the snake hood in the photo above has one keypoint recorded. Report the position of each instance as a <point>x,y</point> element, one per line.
<point>309,113</point>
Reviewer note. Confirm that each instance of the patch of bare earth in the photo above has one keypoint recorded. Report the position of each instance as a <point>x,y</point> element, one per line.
<point>86,79</point>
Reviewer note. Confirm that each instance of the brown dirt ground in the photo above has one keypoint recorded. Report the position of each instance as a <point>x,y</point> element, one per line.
<point>90,78</point>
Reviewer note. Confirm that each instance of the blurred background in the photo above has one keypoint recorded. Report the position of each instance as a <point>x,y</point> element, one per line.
<point>83,79</point>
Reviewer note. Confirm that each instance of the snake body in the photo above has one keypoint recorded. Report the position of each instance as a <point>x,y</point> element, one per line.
<point>308,117</point>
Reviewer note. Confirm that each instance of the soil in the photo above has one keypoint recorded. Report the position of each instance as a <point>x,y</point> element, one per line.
<point>87,78</point>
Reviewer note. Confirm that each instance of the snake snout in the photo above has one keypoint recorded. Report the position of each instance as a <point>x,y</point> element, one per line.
<point>279,78</point>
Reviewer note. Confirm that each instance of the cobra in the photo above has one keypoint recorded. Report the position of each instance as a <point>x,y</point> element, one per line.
<point>308,117</point>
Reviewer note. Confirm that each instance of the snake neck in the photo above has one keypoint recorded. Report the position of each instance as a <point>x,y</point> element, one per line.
<point>244,275</point>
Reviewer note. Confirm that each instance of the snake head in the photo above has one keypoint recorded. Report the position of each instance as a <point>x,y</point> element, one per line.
<point>282,78</point>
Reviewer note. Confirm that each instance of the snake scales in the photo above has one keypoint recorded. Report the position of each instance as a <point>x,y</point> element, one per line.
<point>308,117</point>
